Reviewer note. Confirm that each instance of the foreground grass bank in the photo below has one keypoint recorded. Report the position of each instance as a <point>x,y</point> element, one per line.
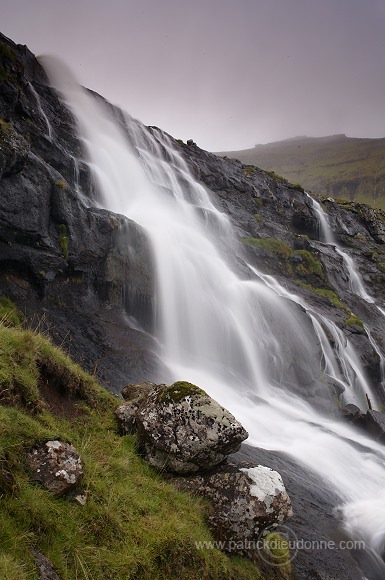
<point>133,525</point>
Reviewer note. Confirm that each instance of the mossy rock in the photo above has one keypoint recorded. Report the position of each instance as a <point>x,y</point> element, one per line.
<point>270,245</point>
<point>178,391</point>
<point>309,265</point>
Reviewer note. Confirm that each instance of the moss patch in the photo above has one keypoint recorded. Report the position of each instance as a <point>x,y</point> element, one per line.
<point>178,391</point>
<point>272,245</point>
<point>9,315</point>
<point>63,239</point>
<point>309,265</point>
<point>326,293</point>
<point>353,320</point>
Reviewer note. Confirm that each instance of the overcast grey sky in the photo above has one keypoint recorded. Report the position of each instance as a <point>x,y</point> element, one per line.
<point>227,73</point>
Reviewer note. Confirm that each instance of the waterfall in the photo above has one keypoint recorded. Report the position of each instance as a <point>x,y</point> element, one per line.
<point>260,351</point>
<point>326,235</point>
<point>41,111</point>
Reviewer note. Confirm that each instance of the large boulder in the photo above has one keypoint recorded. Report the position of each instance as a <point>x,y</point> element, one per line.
<point>56,466</point>
<point>181,429</point>
<point>245,501</point>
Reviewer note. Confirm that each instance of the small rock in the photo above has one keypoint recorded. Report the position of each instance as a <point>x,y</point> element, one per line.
<point>46,569</point>
<point>245,500</point>
<point>126,418</point>
<point>56,466</point>
<point>183,430</point>
<point>139,391</point>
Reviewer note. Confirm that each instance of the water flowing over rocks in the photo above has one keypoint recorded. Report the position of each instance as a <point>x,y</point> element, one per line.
<point>182,430</point>
<point>57,466</point>
<point>87,275</point>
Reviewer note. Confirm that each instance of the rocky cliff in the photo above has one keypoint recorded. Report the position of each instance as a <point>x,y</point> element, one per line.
<point>85,276</point>
<point>79,271</point>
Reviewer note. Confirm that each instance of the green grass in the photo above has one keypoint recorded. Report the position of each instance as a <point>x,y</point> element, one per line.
<point>134,524</point>
<point>61,184</point>
<point>353,320</point>
<point>307,267</point>
<point>4,127</point>
<point>326,293</point>
<point>273,245</point>
<point>9,315</point>
<point>336,165</point>
<point>63,239</point>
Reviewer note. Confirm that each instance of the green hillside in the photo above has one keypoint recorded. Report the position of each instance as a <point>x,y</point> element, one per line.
<point>336,165</point>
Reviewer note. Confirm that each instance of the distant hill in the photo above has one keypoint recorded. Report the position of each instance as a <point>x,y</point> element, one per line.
<point>336,165</point>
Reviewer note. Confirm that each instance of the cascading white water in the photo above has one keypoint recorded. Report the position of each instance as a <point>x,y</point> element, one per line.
<point>238,339</point>
<point>41,111</point>
<point>326,235</point>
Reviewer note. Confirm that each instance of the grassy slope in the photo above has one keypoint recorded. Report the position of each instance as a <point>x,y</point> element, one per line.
<point>335,165</point>
<point>134,524</point>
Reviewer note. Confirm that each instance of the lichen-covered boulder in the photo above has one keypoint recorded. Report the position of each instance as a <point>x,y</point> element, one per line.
<point>57,466</point>
<point>181,429</point>
<point>245,500</point>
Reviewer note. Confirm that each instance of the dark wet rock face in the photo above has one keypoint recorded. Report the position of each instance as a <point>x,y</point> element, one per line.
<point>87,274</point>
<point>57,466</point>
<point>182,430</point>
<point>78,269</point>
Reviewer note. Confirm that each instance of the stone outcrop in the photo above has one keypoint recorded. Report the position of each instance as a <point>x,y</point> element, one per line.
<point>245,500</point>
<point>57,466</point>
<point>182,430</point>
<point>87,268</point>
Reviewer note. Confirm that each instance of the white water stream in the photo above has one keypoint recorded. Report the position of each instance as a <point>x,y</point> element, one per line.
<point>326,235</point>
<point>245,341</point>
<point>41,111</point>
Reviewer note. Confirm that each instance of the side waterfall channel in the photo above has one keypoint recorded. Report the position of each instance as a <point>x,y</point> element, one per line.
<point>233,331</point>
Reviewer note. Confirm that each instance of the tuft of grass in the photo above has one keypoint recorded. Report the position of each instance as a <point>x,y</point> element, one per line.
<point>297,186</point>
<point>4,127</point>
<point>248,170</point>
<point>326,293</point>
<point>276,550</point>
<point>63,240</point>
<point>272,245</point>
<point>258,218</point>
<point>309,265</point>
<point>134,524</point>
<point>9,315</point>
<point>353,320</point>
<point>61,184</point>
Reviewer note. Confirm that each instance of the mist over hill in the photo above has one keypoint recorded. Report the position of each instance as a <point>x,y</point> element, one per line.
<point>336,165</point>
